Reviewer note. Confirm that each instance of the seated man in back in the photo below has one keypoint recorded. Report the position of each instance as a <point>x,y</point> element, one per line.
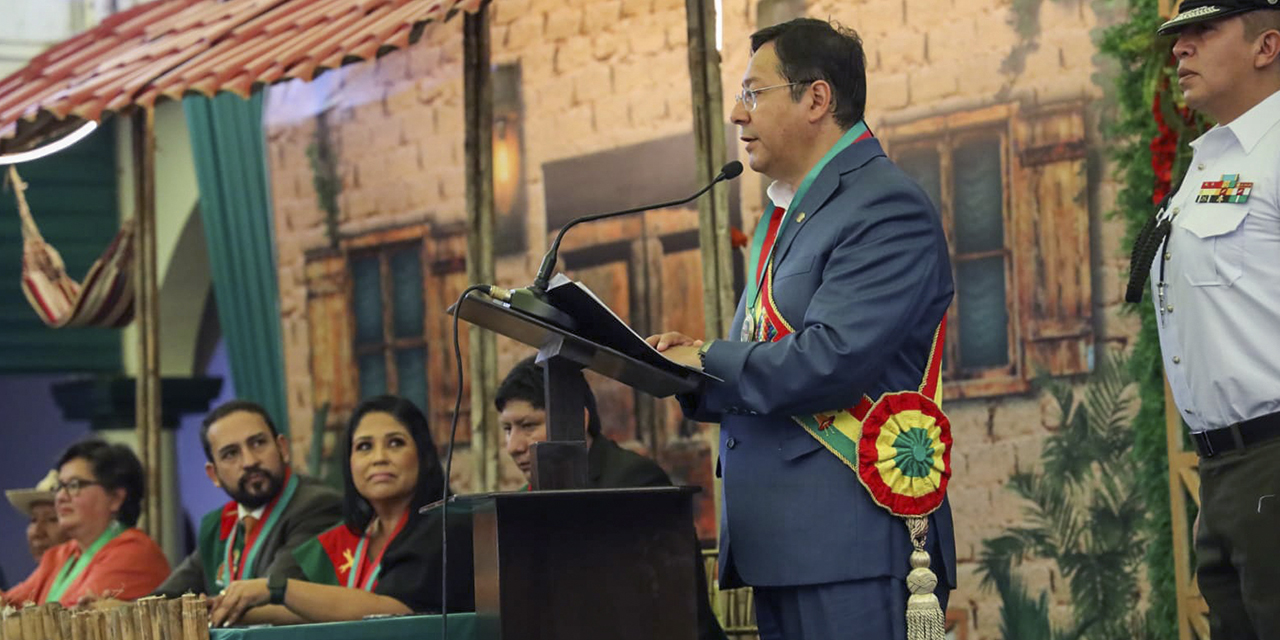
<point>272,510</point>
<point>522,416</point>
<point>521,405</point>
<point>43,532</point>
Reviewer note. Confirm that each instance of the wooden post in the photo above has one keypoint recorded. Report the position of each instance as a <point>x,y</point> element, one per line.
<point>1184,482</point>
<point>478,102</point>
<point>708,132</point>
<point>1177,508</point>
<point>719,300</point>
<point>148,314</point>
<point>1168,8</point>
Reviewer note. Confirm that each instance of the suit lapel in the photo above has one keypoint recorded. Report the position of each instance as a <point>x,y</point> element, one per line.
<point>823,187</point>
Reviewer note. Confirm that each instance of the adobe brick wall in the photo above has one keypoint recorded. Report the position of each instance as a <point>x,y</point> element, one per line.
<point>599,74</point>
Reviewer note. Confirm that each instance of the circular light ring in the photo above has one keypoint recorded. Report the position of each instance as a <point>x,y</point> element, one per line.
<point>51,148</point>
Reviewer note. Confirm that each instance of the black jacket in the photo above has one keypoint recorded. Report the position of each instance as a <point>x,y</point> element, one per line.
<point>314,509</point>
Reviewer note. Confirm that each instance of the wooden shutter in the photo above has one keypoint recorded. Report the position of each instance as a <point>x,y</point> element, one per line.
<point>446,251</point>
<point>329,325</point>
<point>1051,227</point>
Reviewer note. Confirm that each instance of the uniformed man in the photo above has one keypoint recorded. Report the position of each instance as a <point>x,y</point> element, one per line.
<point>1215,280</point>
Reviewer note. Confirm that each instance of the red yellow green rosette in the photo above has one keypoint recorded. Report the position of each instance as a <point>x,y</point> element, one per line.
<point>904,454</point>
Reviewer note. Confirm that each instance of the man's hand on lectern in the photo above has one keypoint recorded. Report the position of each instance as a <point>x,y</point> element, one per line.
<point>678,348</point>
<point>664,341</point>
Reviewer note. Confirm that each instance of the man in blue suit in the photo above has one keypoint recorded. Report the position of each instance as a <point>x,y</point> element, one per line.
<point>848,281</point>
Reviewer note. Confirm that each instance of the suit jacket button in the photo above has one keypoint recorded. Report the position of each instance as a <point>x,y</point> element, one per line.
<point>730,443</point>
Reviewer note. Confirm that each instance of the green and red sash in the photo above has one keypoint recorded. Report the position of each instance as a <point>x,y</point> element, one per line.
<point>900,444</point>
<point>338,557</point>
<point>766,234</point>
<point>227,558</point>
<point>76,564</point>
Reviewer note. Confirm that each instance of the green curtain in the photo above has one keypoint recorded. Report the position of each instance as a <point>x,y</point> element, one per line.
<point>235,206</point>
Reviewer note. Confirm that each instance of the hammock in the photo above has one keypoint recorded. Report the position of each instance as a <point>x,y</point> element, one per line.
<point>106,297</point>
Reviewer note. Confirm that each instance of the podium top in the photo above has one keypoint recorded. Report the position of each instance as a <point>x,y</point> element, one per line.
<point>647,372</point>
<point>470,502</point>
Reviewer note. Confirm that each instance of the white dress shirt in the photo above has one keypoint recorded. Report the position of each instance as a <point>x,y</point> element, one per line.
<point>241,512</point>
<point>1218,311</point>
<point>780,194</point>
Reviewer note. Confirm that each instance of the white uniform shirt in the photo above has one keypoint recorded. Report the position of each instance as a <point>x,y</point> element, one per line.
<point>1219,316</point>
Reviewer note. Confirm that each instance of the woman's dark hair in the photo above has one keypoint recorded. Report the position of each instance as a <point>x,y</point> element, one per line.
<point>810,50</point>
<point>114,467</point>
<point>526,382</point>
<point>356,511</point>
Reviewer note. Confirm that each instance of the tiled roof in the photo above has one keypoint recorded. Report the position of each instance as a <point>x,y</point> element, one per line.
<point>166,48</point>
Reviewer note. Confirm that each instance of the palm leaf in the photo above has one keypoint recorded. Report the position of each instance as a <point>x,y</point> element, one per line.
<point>1082,512</point>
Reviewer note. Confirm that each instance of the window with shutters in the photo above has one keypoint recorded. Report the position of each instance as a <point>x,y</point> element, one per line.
<point>387,309</point>
<point>1011,189</point>
<point>375,310</point>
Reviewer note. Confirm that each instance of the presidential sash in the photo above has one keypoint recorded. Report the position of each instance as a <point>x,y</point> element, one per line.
<point>899,445</point>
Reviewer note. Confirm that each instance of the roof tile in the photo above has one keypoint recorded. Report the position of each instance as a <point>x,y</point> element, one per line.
<point>167,48</point>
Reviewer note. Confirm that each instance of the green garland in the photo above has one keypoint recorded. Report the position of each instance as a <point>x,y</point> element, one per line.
<point>1144,71</point>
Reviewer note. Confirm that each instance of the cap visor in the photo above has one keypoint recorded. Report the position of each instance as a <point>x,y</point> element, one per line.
<point>1199,14</point>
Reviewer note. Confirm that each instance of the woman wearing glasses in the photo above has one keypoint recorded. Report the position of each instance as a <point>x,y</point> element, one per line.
<point>385,558</point>
<point>98,498</point>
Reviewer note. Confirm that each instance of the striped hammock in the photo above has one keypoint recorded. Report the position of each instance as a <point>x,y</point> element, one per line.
<point>106,297</point>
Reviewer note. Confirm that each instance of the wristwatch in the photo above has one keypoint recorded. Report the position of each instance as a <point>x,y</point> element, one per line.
<point>702,353</point>
<point>276,585</point>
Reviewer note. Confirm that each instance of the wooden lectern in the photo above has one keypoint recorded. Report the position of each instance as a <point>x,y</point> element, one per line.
<point>562,562</point>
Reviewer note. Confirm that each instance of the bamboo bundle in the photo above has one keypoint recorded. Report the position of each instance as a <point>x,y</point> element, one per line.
<point>153,618</point>
<point>12,624</point>
<point>32,625</point>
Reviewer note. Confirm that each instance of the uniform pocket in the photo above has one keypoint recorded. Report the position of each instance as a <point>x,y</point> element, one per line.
<point>1212,245</point>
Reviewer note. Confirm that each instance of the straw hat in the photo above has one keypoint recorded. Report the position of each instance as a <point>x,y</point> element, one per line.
<point>22,499</point>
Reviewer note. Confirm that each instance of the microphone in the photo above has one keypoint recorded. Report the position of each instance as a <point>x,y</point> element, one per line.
<point>531,299</point>
<point>728,172</point>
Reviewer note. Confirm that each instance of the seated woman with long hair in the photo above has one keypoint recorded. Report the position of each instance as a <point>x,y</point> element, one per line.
<point>385,558</point>
<point>98,499</point>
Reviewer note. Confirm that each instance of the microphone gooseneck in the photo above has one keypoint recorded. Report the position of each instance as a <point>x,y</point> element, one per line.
<point>540,282</point>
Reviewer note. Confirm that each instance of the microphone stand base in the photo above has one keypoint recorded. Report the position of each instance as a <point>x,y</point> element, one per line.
<point>532,304</point>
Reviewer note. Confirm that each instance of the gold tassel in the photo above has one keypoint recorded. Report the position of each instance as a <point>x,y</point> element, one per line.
<point>925,619</point>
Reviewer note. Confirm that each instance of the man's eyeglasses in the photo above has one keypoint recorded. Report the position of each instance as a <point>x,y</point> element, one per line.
<point>748,96</point>
<point>73,486</point>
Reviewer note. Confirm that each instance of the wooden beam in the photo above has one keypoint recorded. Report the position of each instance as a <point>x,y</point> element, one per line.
<point>147,313</point>
<point>1191,480</point>
<point>708,132</point>
<point>478,104</point>
<point>1178,510</point>
<point>718,297</point>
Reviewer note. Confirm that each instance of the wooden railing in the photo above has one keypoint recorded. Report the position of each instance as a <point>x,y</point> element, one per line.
<point>1184,481</point>
<point>735,608</point>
